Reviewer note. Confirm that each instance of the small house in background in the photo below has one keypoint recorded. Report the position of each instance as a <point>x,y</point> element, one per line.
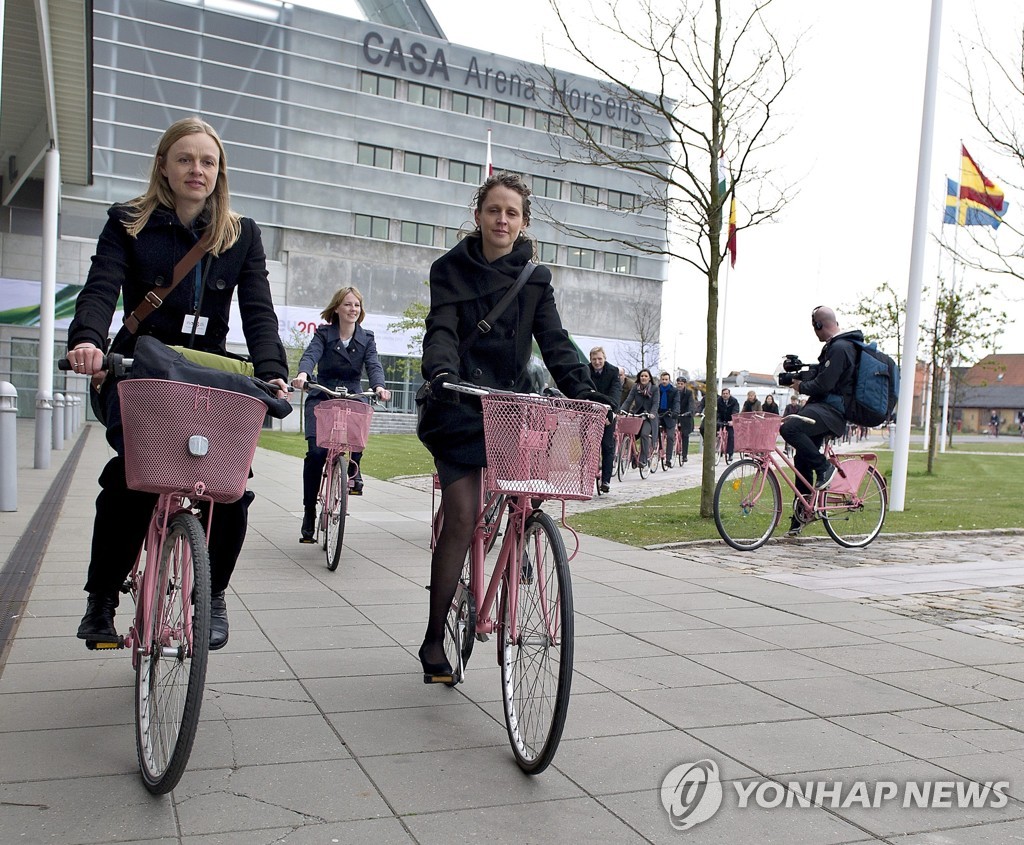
<point>994,384</point>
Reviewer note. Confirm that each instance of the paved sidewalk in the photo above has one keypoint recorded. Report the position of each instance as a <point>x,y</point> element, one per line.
<point>317,727</point>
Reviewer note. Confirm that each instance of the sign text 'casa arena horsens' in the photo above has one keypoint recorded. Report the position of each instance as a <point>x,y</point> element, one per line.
<point>415,58</point>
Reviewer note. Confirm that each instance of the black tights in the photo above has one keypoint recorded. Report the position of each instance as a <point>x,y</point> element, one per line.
<point>460,503</point>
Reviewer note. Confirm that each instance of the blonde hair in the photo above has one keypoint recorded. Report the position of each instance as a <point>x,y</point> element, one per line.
<point>224,226</point>
<point>329,314</point>
<point>597,349</point>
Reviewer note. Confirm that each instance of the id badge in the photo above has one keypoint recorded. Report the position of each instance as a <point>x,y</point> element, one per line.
<point>194,324</point>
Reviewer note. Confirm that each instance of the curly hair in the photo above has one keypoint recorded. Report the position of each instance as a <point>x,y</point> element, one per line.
<point>512,181</point>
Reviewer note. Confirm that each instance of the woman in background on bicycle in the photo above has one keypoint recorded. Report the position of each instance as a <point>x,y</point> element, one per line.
<point>187,200</point>
<point>642,399</point>
<point>465,284</point>
<point>339,351</point>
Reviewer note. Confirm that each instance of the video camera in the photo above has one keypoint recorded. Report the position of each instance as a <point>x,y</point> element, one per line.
<point>794,370</point>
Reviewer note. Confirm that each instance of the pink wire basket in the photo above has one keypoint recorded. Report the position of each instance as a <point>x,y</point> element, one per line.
<point>542,447</point>
<point>343,424</point>
<point>755,432</point>
<point>629,425</point>
<point>165,426</point>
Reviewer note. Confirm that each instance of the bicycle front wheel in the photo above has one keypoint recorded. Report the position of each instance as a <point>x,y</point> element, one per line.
<point>337,509</point>
<point>748,505</point>
<point>854,521</point>
<point>169,679</point>
<point>460,627</point>
<point>536,663</point>
<point>643,464</point>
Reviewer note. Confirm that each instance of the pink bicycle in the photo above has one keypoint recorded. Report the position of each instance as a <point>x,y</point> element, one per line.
<point>190,445</point>
<point>538,448</point>
<point>342,427</point>
<point>748,499</point>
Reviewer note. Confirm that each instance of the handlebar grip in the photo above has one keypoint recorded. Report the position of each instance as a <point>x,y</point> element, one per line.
<point>114,363</point>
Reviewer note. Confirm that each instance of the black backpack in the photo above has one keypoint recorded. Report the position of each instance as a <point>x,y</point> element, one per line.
<point>876,386</point>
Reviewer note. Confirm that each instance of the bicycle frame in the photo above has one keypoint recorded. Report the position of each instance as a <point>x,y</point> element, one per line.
<point>142,581</point>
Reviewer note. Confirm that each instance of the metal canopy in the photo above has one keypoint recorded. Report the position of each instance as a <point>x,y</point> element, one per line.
<point>45,91</point>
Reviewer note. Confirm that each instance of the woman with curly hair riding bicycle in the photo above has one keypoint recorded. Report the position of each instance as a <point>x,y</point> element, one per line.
<point>465,284</point>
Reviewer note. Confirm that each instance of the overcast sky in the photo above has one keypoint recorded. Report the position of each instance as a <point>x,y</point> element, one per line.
<point>855,115</point>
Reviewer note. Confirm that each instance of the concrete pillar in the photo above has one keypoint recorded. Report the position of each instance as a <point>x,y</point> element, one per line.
<point>8,447</point>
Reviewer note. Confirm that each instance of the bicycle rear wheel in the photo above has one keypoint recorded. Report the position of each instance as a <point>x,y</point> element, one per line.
<point>460,627</point>
<point>336,511</point>
<point>536,666</point>
<point>169,680</point>
<point>854,522</point>
<point>622,460</point>
<point>748,505</point>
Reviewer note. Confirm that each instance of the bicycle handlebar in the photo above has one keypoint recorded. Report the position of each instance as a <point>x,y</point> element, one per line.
<point>113,362</point>
<point>341,393</point>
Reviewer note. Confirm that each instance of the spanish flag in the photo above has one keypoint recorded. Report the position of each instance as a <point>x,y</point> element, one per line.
<point>978,202</point>
<point>730,244</point>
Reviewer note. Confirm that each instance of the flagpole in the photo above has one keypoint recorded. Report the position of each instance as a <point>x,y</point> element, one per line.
<point>901,454</point>
<point>721,333</point>
<point>488,165</point>
<point>947,357</point>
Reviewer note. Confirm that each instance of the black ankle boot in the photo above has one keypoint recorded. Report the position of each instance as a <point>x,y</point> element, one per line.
<point>218,621</point>
<point>98,623</point>
<point>308,523</point>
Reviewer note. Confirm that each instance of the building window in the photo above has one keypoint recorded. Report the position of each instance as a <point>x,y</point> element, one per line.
<point>620,199</point>
<point>375,156</point>
<point>615,263</point>
<point>583,130</point>
<point>585,194</point>
<point>547,252</point>
<point>424,95</point>
<point>582,257</point>
<point>417,233</point>
<point>372,227</point>
<point>507,113</point>
<point>451,237</point>
<point>544,187</point>
<point>624,138</point>
<point>547,122</point>
<point>462,171</point>
<point>421,164</point>
<point>467,104</point>
<point>372,83</point>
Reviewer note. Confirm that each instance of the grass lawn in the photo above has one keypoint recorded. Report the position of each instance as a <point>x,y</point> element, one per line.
<point>386,455</point>
<point>967,491</point>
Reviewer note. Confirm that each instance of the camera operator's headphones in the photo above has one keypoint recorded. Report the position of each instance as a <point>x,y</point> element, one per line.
<point>817,324</point>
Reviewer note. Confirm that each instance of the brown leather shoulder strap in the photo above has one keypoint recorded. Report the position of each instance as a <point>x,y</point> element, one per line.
<point>151,301</point>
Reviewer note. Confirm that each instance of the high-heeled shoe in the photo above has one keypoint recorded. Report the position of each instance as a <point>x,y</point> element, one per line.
<point>436,673</point>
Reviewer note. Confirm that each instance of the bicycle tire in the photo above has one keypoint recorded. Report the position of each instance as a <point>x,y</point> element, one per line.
<point>536,669</point>
<point>460,627</point>
<point>855,527</point>
<point>169,680</point>
<point>644,466</point>
<point>622,462</point>
<point>336,511</point>
<point>655,458</point>
<point>720,447</point>
<point>747,510</point>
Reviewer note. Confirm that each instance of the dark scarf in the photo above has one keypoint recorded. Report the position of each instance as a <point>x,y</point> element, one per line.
<point>463,274</point>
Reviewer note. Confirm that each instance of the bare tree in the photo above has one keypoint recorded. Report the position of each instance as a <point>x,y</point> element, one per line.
<point>704,83</point>
<point>962,326</point>
<point>993,85</point>
<point>645,319</point>
<point>881,316</point>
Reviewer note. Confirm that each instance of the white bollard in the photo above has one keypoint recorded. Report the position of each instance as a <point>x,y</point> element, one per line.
<point>58,421</point>
<point>8,446</point>
<point>69,416</point>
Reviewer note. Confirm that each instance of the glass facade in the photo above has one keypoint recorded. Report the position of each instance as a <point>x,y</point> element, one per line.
<point>357,148</point>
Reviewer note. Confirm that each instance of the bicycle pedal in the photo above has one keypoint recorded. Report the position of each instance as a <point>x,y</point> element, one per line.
<point>95,645</point>
<point>482,638</point>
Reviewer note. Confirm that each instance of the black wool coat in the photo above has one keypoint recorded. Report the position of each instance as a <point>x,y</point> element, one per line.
<point>132,267</point>
<point>463,289</point>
